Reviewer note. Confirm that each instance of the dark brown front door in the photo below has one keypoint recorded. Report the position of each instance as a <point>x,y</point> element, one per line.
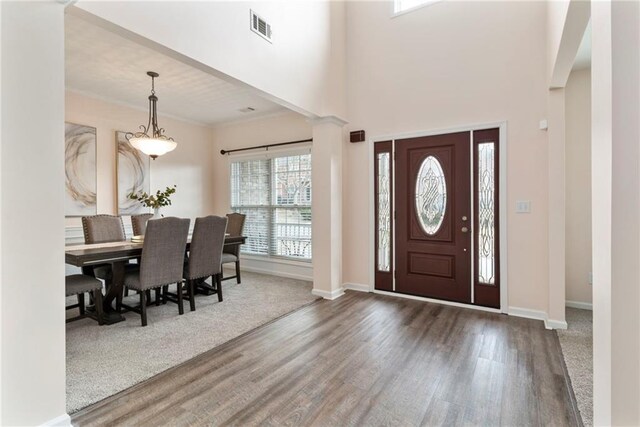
<point>433,216</point>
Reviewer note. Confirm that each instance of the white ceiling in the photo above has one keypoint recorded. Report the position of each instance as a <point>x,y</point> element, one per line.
<point>583,57</point>
<point>108,66</point>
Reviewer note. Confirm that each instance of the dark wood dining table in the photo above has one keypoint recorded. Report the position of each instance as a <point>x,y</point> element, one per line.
<point>117,254</point>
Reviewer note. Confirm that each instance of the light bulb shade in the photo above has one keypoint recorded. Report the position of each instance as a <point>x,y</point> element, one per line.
<point>153,147</point>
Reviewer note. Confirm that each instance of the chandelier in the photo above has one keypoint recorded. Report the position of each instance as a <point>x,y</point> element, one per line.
<point>151,140</point>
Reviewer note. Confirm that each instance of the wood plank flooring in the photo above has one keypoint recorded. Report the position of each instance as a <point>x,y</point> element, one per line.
<point>362,359</point>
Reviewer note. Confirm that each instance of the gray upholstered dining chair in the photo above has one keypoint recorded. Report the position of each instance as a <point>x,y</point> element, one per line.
<point>232,253</point>
<point>162,262</point>
<point>104,229</point>
<point>139,223</point>
<point>205,254</point>
<point>79,284</point>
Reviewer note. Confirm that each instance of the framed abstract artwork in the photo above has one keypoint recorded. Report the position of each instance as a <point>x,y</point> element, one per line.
<point>133,175</point>
<point>80,170</point>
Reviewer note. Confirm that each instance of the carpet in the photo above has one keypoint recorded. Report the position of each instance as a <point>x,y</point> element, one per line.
<point>103,360</point>
<point>577,347</point>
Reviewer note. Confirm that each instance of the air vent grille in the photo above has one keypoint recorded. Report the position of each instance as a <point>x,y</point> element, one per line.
<point>260,26</point>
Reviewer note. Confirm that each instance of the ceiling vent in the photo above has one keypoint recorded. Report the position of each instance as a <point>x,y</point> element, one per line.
<point>260,26</point>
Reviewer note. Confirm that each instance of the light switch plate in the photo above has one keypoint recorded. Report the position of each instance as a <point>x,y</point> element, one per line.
<point>523,206</point>
<point>544,124</point>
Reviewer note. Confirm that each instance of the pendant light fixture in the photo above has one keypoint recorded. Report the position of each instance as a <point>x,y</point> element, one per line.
<point>151,140</point>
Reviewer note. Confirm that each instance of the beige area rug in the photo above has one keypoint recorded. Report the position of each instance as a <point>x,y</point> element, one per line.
<point>577,347</point>
<point>103,360</point>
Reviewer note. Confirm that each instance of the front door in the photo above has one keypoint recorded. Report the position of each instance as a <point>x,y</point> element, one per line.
<point>433,216</point>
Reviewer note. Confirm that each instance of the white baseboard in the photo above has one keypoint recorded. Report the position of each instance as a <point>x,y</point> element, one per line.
<point>60,421</point>
<point>537,315</point>
<point>579,304</point>
<point>357,287</point>
<point>555,324</point>
<point>279,273</point>
<point>337,293</point>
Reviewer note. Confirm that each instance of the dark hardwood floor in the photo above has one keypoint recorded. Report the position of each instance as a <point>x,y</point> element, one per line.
<point>362,359</point>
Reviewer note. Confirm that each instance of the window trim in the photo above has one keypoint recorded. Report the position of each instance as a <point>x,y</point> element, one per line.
<point>303,148</point>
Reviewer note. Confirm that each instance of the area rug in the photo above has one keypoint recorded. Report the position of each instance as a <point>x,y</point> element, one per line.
<point>577,347</point>
<point>103,360</point>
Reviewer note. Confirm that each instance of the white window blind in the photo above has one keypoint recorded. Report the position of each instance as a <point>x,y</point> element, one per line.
<point>275,195</point>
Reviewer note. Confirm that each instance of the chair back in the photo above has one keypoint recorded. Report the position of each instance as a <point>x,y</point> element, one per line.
<point>207,241</point>
<point>139,223</point>
<point>163,250</point>
<point>103,229</point>
<point>235,224</point>
<point>234,228</point>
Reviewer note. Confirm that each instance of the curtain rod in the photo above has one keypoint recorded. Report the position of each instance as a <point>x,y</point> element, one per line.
<point>223,152</point>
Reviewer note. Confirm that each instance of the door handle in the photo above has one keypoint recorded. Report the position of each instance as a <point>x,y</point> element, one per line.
<point>465,229</point>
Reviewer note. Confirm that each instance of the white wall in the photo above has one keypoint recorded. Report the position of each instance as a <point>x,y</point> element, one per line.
<point>578,186</point>
<point>447,65</point>
<point>301,68</point>
<point>189,166</point>
<point>32,214</point>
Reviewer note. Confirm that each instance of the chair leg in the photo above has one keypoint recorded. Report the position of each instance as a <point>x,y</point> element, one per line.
<point>81,304</point>
<point>143,308</point>
<point>165,291</point>
<point>97,297</point>
<point>180,304</point>
<point>157,296</point>
<point>219,286</point>
<point>126,292</point>
<point>148,291</point>
<point>238,271</point>
<point>192,299</point>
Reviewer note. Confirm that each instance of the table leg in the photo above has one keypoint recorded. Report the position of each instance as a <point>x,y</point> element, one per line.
<point>114,288</point>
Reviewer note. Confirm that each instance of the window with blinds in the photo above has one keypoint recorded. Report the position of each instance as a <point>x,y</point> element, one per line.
<point>275,195</point>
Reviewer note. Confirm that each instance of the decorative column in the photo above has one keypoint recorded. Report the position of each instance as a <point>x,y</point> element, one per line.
<point>328,139</point>
<point>615,169</point>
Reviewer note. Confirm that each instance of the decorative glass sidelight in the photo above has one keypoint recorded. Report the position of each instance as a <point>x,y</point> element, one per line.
<point>431,195</point>
<point>486,213</point>
<point>384,212</point>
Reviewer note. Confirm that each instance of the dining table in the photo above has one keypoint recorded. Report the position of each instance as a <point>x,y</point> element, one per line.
<point>118,255</point>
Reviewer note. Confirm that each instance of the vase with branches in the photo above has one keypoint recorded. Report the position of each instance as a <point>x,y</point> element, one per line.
<point>154,201</point>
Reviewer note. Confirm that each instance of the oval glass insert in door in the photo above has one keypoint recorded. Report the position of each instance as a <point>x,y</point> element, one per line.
<point>431,195</point>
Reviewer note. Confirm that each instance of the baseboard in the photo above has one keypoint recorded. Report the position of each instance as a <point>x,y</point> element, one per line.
<point>537,315</point>
<point>555,324</point>
<point>249,268</point>
<point>579,304</point>
<point>357,287</point>
<point>337,293</point>
<point>61,421</point>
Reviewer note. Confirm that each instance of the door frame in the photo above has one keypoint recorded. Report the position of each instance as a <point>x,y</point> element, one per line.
<point>502,209</point>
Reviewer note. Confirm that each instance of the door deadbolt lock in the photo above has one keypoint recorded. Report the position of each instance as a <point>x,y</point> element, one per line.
<point>465,229</point>
<point>464,218</point>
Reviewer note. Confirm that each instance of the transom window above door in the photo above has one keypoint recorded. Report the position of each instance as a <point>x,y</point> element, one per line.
<point>402,6</point>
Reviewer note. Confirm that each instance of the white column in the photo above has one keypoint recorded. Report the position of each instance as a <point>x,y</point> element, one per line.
<point>32,341</point>
<point>616,211</point>
<point>328,139</point>
<point>557,218</point>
